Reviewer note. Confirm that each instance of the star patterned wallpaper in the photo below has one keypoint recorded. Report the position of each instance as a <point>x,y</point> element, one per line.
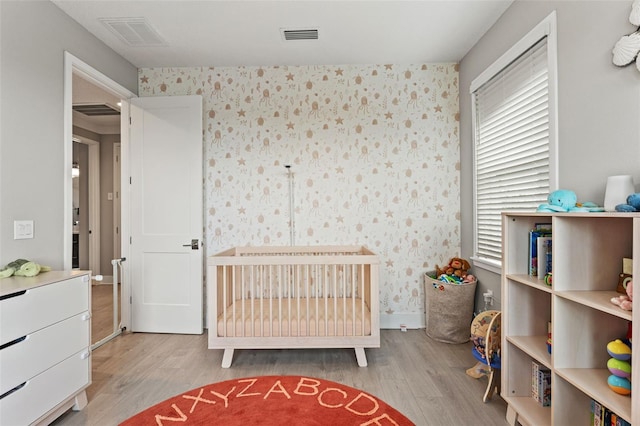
<point>374,160</point>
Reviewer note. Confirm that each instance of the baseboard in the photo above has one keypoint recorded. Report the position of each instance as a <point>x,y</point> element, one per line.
<point>398,321</point>
<point>106,280</point>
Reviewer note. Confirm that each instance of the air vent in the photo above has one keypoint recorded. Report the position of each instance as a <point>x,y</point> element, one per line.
<point>134,31</point>
<point>94,110</point>
<point>307,34</point>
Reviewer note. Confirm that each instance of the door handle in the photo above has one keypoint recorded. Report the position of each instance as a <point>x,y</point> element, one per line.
<point>193,245</point>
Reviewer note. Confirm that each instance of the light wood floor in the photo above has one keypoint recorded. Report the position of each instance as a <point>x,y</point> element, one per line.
<point>101,311</point>
<point>424,379</point>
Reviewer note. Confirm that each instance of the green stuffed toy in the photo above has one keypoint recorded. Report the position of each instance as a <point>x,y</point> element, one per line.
<point>564,200</point>
<point>22,268</point>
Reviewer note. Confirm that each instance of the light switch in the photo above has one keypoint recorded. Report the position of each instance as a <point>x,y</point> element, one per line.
<point>22,229</point>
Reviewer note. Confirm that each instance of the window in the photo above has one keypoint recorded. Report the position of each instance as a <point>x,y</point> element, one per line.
<point>513,105</point>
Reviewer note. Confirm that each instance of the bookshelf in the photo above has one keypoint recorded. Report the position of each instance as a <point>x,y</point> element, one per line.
<point>588,249</point>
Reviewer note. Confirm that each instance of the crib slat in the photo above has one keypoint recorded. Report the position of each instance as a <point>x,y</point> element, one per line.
<point>225,301</point>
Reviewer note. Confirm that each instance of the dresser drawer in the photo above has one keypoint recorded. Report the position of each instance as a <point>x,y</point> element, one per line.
<point>41,350</point>
<point>29,311</point>
<point>45,391</point>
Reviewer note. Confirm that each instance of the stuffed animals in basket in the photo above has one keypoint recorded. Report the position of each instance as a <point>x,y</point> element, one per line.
<point>456,271</point>
<point>625,301</point>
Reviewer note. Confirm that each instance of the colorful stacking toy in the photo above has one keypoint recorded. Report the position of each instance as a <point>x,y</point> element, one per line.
<point>619,366</point>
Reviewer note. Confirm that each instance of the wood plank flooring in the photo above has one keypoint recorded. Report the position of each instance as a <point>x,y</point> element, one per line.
<point>101,311</point>
<point>424,379</point>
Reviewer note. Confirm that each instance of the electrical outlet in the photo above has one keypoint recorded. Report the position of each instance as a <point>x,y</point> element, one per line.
<point>22,229</point>
<point>488,297</point>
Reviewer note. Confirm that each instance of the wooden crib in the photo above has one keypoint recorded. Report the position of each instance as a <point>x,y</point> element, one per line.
<point>293,297</point>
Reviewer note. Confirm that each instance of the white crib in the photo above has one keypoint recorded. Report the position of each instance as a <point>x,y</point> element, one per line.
<point>293,297</point>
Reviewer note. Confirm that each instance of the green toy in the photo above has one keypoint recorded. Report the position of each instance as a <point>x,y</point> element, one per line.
<point>22,268</point>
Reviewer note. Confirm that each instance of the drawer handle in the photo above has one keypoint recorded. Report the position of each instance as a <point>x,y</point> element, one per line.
<point>86,317</point>
<point>85,355</point>
<point>10,391</point>
<point>13,342</point>
<point>16,294</point>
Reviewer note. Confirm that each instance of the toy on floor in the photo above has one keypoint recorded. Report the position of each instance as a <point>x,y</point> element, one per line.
<point>564,200</point>
<point>633,204</point>
<point>479,370</point>
<point>625,301</point>
<point>485,336</point>
<point>22,268</point>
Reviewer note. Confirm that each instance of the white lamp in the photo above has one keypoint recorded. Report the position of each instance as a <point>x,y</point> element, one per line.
<point>617,191</point>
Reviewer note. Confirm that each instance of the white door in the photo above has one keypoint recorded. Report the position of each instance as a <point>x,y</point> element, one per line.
<point>165,257</point>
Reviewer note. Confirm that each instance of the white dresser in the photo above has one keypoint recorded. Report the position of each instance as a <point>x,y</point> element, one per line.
<point>45,339</point>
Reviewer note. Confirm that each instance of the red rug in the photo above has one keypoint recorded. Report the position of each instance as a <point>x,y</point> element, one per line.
<point>271,400</point>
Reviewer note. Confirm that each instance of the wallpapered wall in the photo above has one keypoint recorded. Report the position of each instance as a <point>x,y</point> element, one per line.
<point>374,155</point>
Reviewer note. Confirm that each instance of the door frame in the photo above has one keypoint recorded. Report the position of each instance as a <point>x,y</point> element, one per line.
<point>73,65</point>
<point>94,199</point>
<point>117,191</point>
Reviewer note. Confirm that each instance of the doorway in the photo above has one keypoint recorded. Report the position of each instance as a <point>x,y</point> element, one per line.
<point>87,229</point>
<point>89,126</point>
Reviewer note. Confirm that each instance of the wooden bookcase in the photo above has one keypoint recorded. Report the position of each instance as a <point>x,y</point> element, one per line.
<point>588,249</point>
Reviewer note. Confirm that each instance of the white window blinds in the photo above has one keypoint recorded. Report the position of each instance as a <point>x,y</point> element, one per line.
<point>511,145</point>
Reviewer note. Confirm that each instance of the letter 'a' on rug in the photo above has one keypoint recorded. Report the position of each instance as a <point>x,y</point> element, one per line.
<point>270,401</point>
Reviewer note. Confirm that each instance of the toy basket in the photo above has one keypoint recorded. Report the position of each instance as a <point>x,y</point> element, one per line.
<point>448,309</point>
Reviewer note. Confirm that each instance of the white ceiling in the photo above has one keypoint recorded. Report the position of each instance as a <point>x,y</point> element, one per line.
<point>243,32</point>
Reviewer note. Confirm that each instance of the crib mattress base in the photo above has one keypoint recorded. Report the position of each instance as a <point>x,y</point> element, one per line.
<point>322,317</point>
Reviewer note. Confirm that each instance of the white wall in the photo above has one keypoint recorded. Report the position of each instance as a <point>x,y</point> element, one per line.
<point>598,108</point>
<point>33,38</point>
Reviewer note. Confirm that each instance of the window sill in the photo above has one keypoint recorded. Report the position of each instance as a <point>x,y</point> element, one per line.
<point>487,264</point>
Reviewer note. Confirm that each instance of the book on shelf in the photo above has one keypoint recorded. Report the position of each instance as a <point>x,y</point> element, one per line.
<point>602,416</point>
<point>539,230</point>
<point>544,255</point>
<point>540,384</point>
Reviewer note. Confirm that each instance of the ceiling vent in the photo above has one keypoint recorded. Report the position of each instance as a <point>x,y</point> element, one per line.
<point>301,34</point>
<point>134,31</point>
<point>95,110</point>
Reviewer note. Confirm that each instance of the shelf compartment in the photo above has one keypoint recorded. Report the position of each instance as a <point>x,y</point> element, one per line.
<point>590,251</point>
<point>592,383</point>
<point>515,228</point>
<point>600,300</point>
<point>529,411</point>
<point>516,380</point>
<point>581,334</point>
<point>534,346</point>
<point>527,310</point>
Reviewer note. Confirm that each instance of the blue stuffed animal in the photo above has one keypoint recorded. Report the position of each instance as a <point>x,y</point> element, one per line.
<point>564,200</point>
<point>633,204</point>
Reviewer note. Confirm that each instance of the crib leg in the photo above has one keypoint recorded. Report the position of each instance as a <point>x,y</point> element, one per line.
<point>361,357</point>
<point>227,358</point>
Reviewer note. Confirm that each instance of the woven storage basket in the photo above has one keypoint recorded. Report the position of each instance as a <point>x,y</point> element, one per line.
<point>448,309</point>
